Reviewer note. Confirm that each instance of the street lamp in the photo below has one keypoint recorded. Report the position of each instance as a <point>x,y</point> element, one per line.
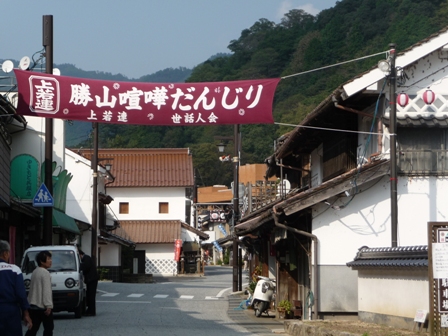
<point>108,166</point>
<point>237,271</point>
<point>221,147</point>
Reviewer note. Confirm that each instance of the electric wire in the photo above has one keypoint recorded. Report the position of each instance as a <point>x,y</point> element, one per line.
<point>333,65</point>
<point>328,129</point>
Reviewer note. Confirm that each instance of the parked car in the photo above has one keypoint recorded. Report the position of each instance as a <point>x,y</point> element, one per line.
<point>69,290</point>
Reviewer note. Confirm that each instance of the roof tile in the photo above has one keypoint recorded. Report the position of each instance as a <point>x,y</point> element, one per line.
<point>147,167</point>
<point>150,231</point>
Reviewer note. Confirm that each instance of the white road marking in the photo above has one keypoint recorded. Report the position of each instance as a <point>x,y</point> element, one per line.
<point>163,296</point>
<point>160,296</point>
<point>124,301</point>
<point>226,289</point>
<point>186,296</point>
<point>223,291</point>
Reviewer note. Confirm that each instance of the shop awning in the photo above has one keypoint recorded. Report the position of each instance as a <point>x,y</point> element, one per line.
<point>64,222</point>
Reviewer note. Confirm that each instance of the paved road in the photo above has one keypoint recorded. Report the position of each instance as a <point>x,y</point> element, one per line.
<point>172,306</point>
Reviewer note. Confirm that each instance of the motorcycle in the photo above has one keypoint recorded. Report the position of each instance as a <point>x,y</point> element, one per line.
<point>264,294</point>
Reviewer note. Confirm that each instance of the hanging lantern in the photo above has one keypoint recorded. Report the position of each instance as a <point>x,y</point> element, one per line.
<point>402,99</point>
<point>429,97</point>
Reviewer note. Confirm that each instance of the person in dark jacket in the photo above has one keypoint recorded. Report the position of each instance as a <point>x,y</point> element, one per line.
<point>90,272</point>
<point>13,301</point>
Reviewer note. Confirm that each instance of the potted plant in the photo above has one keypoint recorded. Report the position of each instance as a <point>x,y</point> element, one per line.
<point>284,308</point>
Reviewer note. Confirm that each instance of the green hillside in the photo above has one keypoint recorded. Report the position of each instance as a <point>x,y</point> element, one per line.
<point>299,43</point>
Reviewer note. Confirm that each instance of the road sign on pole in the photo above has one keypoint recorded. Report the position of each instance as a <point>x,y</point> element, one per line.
<point>43,197</point>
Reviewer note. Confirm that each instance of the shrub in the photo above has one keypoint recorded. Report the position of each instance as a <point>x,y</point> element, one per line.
<point>102,273</point>
<point>226,257</point>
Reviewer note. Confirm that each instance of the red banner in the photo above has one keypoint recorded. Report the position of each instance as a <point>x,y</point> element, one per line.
<point>175,104</point>
<point>177,247</point>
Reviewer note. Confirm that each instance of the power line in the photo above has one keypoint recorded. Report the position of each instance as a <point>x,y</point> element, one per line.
<point>328,129</point>
<point>333,65</point>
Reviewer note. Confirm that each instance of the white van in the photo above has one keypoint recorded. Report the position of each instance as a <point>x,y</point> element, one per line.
<point>69,290</point>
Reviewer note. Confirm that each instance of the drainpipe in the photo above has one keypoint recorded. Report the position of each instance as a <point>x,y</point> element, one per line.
<point>316,275</point>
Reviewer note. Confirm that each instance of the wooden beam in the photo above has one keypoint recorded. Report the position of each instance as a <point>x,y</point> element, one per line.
<point>319,194</point>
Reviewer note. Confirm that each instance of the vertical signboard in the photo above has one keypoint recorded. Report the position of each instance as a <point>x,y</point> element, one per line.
<point>438,277</point>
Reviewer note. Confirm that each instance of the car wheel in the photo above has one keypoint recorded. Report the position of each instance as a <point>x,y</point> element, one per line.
<point>80,310</point>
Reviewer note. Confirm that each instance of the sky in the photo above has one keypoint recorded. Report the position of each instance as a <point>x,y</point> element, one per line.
<point>136,37</point>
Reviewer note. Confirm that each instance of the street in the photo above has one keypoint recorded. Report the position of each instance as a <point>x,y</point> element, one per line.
<point>171,306</point>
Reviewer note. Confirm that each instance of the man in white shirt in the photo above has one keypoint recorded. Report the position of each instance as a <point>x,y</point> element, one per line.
<point>40,296</point>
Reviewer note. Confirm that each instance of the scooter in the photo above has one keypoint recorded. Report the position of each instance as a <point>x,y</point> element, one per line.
<point>264,294</point>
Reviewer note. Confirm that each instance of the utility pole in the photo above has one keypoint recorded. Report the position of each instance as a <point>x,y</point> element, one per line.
<point>393,146</point>
<point>236,205</point>
<point>94,162</point>
<point>48,211</point>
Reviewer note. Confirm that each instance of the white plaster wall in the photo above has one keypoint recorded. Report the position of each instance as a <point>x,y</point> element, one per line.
<point>392,292</point>
<point>157,251</point>
<point>144,203</point>
<point>366,219</point>
<point>32,140</point>
<point>211,237</point>
<point>189,236</point>
<point>85,242</point>
<point>110,255</point>
<point>79,191</point>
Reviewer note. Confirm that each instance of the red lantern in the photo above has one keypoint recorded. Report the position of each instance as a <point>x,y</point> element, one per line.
<point>429,97</point>
<point>403,99</point>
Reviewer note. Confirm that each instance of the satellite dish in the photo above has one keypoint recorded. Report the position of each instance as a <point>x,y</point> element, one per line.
<point>7,66</point>
<point>24,63</point>
<point>56,72</point>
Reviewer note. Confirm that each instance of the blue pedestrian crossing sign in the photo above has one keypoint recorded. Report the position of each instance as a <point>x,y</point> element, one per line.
<point>43,197</point>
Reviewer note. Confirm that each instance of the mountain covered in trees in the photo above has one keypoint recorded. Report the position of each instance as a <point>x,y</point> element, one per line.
<point>298,44</point>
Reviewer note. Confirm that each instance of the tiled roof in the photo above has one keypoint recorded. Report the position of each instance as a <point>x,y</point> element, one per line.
<point>391,257</point>
<point>419,121</point>
<point>114,238</point>
<point>254,223</point>
<point>147,167</point>
<point>150,231</point>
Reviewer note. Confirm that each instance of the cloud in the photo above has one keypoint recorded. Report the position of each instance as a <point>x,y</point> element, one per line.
<point>287,5</point>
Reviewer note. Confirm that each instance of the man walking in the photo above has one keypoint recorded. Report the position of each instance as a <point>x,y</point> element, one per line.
<point>13,302</point>
<point>41,296</point>
<point>90,272</point>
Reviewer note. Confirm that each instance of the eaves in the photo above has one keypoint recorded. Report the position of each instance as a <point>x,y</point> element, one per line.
<point>304,199</point>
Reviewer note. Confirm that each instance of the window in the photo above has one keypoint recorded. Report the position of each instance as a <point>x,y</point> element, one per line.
<point>339,156</point>
<point>422,151</point>
<point>124,207</point>
<point>163,207</point>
